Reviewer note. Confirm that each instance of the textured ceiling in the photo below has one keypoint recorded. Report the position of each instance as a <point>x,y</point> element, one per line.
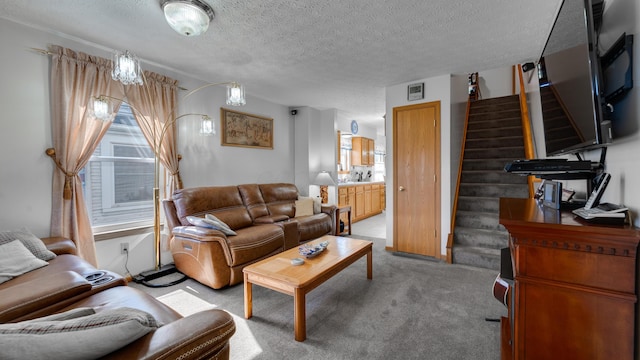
<point>323,54</point>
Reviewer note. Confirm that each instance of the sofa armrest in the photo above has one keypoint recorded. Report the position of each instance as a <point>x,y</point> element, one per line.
<point>331,211</point>
<point>28,296</point>
<point>60,245</point>
<point>328,209</point>
<point>202,335</point>
<point>270,219</point>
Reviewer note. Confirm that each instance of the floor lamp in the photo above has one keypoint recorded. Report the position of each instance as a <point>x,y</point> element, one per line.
<point>126,69</point>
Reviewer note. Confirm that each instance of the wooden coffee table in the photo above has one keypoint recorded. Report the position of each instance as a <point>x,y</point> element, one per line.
<point>277,273</point>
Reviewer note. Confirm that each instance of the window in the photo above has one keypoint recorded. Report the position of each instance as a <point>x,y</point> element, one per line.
<point>118,180</point>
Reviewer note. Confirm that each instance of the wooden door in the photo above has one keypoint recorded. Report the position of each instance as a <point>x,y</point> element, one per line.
<point>416,162</point>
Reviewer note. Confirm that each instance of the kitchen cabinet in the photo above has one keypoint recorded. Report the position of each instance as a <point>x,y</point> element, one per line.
<point>362,151</point>
<point>365,200</point>
<point>375,199</point>
<point>359,211</point>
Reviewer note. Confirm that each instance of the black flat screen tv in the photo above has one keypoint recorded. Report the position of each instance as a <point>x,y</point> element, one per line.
<point>569,73</point>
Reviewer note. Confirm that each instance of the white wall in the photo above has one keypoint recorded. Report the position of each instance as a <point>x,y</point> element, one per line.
<point>435,89</point>
<point>495,82</point>
<point>25,133</point>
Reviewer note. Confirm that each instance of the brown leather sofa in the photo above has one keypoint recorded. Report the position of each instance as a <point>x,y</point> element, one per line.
<point>68,282</point>
<point>263,217</point>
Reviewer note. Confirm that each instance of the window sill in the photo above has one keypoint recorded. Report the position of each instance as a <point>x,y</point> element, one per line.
<point>114,234</point>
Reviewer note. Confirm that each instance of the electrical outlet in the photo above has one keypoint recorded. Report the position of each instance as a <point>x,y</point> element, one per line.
<point>124,248</point>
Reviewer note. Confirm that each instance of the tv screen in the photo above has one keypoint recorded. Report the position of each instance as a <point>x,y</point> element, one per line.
<point>569,74</point>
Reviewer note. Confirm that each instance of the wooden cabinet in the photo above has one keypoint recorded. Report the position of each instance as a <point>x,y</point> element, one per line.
<point>375,199</point>
<point>362,151</point>
<point>359,210</point>
<point>383,197</point>
<point>574,289</point>
<point>365,200</point>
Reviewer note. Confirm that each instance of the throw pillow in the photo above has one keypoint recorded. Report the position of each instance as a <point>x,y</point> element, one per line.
<point>16,259</point>
<point>304,206</point>
<point>211,219</point>
<point>317,205</point>
<point>83,337</point>
<point>211,224</point>
<point>30,241</point>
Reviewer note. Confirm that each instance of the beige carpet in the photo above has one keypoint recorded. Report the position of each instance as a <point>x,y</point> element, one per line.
<point>412,309</point>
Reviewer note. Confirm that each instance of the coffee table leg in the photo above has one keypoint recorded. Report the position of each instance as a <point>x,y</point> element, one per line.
<point>299,316</point>
<point>370,264</point>
<point>248,299</point>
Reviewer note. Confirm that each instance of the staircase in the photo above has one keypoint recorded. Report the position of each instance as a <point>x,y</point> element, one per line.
<point>494,138</point>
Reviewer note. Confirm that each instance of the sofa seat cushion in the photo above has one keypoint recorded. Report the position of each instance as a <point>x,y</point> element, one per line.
<point>313,226</point>
<point>255,242</point>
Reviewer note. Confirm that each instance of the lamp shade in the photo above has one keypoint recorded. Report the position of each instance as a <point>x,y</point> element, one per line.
<point>126,68</point>
<point>324,179</point>
<point>188,17</point>
<point>235,94</point>
<point>101,108</point>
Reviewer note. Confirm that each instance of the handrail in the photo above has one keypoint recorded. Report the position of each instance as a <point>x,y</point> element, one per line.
<point>527,134</point>
<point>455,198</point>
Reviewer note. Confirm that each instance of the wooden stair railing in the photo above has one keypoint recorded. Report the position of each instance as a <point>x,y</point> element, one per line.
<point>527,134</point>
<point>449,258</point>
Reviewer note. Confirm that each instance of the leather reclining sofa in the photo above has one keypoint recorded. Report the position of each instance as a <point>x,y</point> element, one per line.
<point>68,282</point>
<point>262,215</point>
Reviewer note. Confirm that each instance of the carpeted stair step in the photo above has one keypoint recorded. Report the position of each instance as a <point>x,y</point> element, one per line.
<point>477,203</point>
<point>494,239</point>
<point>505,141</point>
<point>495,190</point>
<point>489,153</point>
<point>478,220</point>
<point>486,164</point>
<point>494,132</point>
<point>491,177</point>
<point>477,123</point>
<point>509,115</point>
<point>477,256</point>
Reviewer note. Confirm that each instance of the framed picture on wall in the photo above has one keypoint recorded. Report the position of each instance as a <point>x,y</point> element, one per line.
<point>245,130</point>
<point>415,91</point>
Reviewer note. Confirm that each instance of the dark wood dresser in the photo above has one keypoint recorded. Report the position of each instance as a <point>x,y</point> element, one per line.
<point>574,293</point>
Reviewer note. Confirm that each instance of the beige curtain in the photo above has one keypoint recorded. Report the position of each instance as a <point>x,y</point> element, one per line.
<point>75,77</point>
<point>154,107</point>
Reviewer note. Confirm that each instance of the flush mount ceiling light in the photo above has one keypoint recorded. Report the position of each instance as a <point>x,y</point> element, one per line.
<point>188,17</point>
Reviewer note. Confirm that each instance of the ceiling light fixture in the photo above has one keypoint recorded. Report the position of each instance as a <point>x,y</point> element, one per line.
<point>126,68</point>
<point>188,17</point>
<point>235,94</point>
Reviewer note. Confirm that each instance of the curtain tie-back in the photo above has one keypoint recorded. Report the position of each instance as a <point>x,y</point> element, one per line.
<point>68,176</point>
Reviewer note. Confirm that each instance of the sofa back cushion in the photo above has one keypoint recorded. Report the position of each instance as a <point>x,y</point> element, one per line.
<point>253,200</point>
<point>225,202</point>
<point>280,198</point>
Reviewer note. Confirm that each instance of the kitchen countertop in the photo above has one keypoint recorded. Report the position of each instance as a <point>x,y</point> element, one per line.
<point>351,183</point>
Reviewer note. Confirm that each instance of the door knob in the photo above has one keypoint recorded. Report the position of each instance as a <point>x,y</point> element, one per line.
<point>401,188</point>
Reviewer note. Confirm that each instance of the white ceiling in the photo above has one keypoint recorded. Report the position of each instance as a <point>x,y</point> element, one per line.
<point>322,54</point>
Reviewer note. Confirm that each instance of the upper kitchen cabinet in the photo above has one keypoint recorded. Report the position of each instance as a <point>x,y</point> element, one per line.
<point>362,151</point>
